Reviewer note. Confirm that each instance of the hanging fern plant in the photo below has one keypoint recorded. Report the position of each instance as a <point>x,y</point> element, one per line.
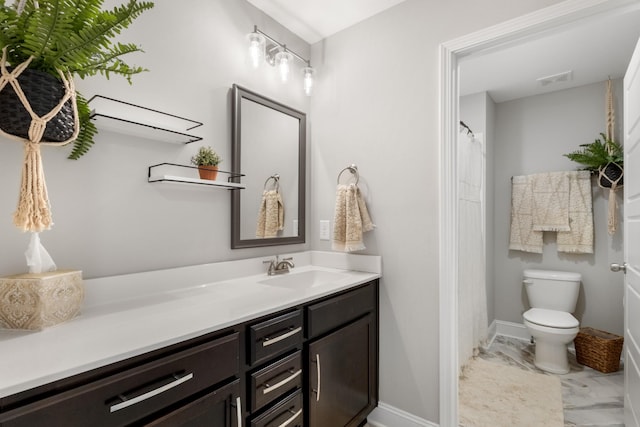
<point>598,154</point>
<point>605,156</point>
<point>74,37</point>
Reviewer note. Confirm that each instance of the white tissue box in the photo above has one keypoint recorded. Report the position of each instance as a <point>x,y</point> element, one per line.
<point>34,301</point>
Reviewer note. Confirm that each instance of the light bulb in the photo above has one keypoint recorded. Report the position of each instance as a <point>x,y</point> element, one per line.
<point>282,60</point>
<point>308,73</point>
<point>256,48</point>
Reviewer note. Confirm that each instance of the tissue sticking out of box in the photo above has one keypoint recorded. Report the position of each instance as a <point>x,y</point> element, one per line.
<point>38,259</point>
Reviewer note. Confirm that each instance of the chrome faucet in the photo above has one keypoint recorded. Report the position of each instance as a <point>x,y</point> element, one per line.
<point>277,266</point>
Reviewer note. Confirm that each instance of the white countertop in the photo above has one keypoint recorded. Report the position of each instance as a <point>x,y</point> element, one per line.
<point>128,315</point>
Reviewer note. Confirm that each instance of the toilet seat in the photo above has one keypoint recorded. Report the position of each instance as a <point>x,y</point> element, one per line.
<point>551,318</point>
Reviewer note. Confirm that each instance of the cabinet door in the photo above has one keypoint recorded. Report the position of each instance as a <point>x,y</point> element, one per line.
<point>343,375</point>
<point>219,408</point>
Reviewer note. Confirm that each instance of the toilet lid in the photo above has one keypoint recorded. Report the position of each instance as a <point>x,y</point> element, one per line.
<point>551,318</point>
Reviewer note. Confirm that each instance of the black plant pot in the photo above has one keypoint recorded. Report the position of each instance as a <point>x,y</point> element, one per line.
<point>610,174</point>
<point>44,92</point>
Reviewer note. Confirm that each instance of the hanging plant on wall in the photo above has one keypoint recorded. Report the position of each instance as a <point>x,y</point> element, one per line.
<point>606,158</point>
<point>45,44</point>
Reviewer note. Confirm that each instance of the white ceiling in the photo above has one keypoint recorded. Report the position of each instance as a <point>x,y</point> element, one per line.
<point>314,20</point>
<point>593,49</point>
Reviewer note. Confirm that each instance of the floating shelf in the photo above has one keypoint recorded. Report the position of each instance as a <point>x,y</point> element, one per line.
<point>165,172</point>
<point>124,117</point>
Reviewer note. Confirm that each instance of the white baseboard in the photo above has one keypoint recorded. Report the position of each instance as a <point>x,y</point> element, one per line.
<point>389,416</point>
<point>491,335</point>
<point>513,330</point>
<point>510,329</point>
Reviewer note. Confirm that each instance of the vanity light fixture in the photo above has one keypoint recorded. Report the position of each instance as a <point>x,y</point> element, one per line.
<point>283,59</point>
<point>308,74</point>
<point>264,48</point>
<point>256,48</point>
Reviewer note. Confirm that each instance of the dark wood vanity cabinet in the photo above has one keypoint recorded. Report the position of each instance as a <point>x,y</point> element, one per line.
<point>275,370</point>
<point>325,374</point>
<point>312,365</point>
<point>342,359</point>
<point>218,408</point>
<point>198,382</point>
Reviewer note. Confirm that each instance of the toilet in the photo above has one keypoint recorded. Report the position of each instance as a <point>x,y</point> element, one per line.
<point>553,296</point>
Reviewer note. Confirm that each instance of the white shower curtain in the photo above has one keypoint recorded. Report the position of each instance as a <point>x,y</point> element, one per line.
<point>472,299</point>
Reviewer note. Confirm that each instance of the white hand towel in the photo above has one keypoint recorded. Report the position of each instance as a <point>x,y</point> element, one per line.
<point>270,215</point>
<point>580,238</point>
<point>522,235</point>
<point>550,201</point>
<point>351,219</point>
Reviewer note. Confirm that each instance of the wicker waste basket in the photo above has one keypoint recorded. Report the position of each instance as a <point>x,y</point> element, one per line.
<point>598,349</point>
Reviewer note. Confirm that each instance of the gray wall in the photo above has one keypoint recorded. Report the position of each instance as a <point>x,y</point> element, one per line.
<point>376,105</point>
<point>532,134</point>
<point>108,219</point>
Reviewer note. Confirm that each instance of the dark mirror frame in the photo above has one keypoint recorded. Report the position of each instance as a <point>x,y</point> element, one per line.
<point>238,94</point>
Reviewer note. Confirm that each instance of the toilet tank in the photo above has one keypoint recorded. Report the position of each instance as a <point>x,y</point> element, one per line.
<point>553,290</point>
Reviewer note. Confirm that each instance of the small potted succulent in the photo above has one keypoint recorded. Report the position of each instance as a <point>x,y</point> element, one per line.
<point>207,160</point>
<point>605,158</point>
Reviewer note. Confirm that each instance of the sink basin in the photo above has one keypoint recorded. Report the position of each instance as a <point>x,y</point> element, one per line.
<point>304,279</point>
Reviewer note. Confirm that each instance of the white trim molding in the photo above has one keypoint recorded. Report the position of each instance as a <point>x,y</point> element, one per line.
<point>507,329</point>
<point>389,416</point>
<point>448,247</point>
<point>512,330</point>
<point>508,33</point>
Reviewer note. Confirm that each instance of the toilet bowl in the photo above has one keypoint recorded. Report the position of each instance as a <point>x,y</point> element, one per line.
<point>552,296</point>
<point>552,331</point>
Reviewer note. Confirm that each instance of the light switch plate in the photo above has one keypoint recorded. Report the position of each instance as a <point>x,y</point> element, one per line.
<point>325,230</point>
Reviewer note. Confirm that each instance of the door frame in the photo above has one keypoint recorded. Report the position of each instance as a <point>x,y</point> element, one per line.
<point>509,33</point>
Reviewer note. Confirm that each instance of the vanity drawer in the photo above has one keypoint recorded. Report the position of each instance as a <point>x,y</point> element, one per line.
<point>271,382</point>
<point>133,394</point>
<point>274,336</point>
<point>287,413</point>
<point>216,408</point>
<point>332,313</point>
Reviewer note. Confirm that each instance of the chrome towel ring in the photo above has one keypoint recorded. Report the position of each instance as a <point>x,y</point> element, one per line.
<point>354,171</point>
<point>276,182</point>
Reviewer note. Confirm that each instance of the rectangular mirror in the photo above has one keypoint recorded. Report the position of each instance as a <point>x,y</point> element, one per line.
<point>269,148</point>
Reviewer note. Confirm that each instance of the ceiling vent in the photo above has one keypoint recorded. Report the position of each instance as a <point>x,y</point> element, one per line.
<point>556,78</point>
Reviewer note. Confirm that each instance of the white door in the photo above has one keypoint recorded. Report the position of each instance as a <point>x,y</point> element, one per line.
<point>632,241</point>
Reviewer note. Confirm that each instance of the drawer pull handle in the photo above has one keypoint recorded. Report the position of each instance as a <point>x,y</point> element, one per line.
<point>268,341</point>
<point>239,410</point>
<point>269,388</point>
<point>317,390</point>
<point>292,419</point>
<point>126,402</point>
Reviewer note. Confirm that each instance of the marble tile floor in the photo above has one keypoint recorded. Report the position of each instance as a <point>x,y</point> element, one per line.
<point>590,398</point>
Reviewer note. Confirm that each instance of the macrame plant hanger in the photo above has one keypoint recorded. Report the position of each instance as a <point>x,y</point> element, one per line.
<point>612,221</point>
<point>33,212</point>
